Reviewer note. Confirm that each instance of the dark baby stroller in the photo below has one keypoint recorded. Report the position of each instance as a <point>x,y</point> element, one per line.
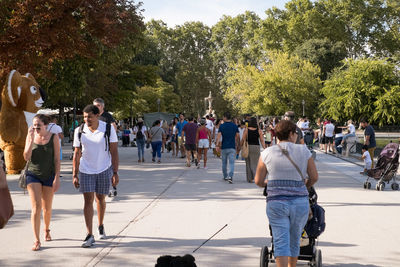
<point>308,246</point>
<point>386,168</point>
<point>309,141</point>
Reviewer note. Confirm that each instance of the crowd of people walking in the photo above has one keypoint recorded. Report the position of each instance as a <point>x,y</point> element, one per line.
<point>264,145</point>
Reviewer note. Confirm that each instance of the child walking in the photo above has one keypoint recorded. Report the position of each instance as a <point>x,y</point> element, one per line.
<point>367,159</point>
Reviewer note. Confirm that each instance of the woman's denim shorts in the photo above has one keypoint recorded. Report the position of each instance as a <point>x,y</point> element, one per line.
<point>287,219</point>
<point>31,178</point>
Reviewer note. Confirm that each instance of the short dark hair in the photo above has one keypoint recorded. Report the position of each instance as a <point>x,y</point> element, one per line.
<point>190,118</point>
<point>284,128</point>
<point>227,115</point>
<point>253,122</point>
<point>365,147</point>
<point>43,118</point>
<point>208,116</point>
<point>91,109</point>
<point>363,119</point>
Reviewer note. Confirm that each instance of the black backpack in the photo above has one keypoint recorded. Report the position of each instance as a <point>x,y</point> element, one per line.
<point>106,135</point>
<point>316,225</point>
<point>139,134</point>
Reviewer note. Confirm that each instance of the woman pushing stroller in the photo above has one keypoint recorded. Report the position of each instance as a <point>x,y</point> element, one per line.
<point>288,204</point>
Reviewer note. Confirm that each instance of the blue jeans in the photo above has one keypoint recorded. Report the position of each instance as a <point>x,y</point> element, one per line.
<point>338,141</point>
<point>156,146</point>
<point>348,135</point>
<point>228,154</point>
<point>287,219</point>
<point>140,148</point>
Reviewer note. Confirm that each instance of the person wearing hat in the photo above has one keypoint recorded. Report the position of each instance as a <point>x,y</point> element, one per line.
<point>141,133</point>
<point>289,116</point>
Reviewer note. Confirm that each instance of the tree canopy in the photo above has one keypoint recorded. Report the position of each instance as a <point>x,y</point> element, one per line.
<point>334,52</point>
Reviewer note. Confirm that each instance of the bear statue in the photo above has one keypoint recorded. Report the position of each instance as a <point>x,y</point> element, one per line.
<point>21,99</point>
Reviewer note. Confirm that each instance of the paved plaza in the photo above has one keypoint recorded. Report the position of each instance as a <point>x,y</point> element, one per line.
<point>170,209</point>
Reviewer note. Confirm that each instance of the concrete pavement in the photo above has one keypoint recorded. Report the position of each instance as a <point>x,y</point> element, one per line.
<point>169,209</point>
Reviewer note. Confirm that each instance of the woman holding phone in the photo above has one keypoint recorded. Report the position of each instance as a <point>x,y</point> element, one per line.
<point>42,151</point>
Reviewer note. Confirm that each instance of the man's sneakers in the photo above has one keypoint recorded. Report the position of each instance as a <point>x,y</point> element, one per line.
<point>102,233</point>
<point>113,192</point>
<point>340,146</point>
<point>88,242</point>
<point>228,179</point>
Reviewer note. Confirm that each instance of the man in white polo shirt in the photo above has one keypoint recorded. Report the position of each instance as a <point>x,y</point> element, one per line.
<point>95,166</point>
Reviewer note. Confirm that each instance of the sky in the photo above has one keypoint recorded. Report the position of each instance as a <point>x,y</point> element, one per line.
<point>177,12</point>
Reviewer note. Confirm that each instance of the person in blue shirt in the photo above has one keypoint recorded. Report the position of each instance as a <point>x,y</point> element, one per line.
<point>180,126</point>
<point>228,146</point>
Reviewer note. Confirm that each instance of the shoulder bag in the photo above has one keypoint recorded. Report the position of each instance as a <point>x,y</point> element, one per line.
<point>6,205</point>
<point>315,225</point>
<point>245,146</point>
<point>22,177</point>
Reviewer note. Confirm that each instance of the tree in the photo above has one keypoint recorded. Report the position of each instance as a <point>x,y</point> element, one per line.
<point>275,87</point>
<point>324,53</point>
<point>234,42</point>
<point>363,88</point>
<point>38,32</point>
<point>144,100</point>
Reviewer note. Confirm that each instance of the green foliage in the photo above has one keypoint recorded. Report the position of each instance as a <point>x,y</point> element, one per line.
<point>366,87</point>
<point>324,53</point>
<point>275,87</point>
<point>144,100</point>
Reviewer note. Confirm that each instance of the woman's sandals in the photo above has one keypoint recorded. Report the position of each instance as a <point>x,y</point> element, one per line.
<point>36,246</point>
<point>47,236</point>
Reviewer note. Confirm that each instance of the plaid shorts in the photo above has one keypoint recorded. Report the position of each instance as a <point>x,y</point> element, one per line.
<point>99,182</point>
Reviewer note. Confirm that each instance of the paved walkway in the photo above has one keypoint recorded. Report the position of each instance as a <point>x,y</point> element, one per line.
<point>169,209</point>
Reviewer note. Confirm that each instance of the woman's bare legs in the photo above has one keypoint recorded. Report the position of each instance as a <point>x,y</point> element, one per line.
<point>35,194</point>
<point>47,202</point>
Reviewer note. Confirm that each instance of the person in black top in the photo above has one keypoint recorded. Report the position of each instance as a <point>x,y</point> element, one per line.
<point>107,118</point>
<point>104,115</point>
<point>253,135</point>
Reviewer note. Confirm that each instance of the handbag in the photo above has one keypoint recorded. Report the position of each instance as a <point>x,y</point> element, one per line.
<point>6,205</point>
<point>22,177</point>
<point>245,147</point>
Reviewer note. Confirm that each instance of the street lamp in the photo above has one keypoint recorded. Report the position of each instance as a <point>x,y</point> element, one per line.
<point>303,102</point>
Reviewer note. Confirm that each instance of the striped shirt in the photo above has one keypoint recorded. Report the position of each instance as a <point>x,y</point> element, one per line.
<point>284,181</point>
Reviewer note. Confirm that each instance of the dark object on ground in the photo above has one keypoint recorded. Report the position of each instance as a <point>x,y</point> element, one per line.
<point>177,261</point>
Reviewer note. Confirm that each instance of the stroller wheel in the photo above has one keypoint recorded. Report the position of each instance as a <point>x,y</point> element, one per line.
<point>395,186</point>
<point>368,185</point>
<point>264,257</point>
<point>380,186</point>
<point>365,185</point>
<point>318,258</point>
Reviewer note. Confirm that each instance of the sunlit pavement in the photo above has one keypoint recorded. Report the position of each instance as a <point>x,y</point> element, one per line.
<point>169,209</point>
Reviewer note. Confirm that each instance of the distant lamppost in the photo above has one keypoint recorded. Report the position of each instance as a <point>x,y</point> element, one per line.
<point>303,102</point>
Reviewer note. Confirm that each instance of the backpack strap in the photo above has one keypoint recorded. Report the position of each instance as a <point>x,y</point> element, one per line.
<point>80,132</point>
<point>107,136</point>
